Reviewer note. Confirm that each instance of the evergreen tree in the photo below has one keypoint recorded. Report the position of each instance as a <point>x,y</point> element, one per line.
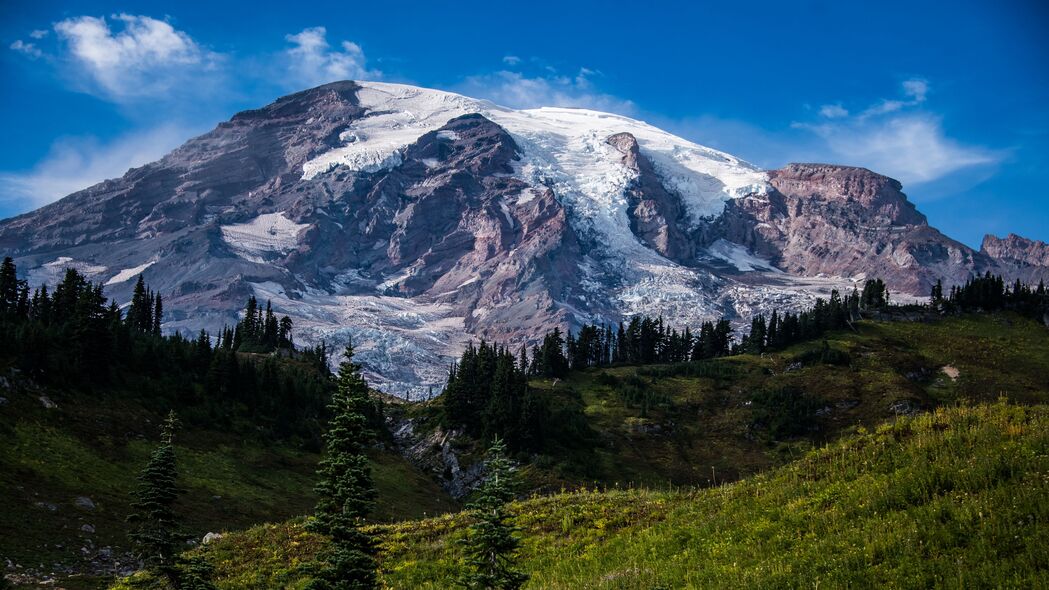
<point>9,286</point>
<point>140,312</point>
<point>154,524</point>
<point>284,335</point>
<point>158,314</point>
<point>551,359</point>
<point>937,292</point>
<point>491,544</point>
<point>195,573</point>
<point>346,491</point>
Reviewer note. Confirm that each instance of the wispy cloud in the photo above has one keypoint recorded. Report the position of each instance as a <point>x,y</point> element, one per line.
<point>833,111</point>
<point>131,57</point>
<point>516,90</point>
<point>311,61</point>
<point>75,163</point>
<point>914,92</point>
<point>912,148</point>
<point>896,136</point>
<point>29,49</point>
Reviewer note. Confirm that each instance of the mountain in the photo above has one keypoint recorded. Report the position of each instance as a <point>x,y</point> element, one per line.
<point>414,220</point>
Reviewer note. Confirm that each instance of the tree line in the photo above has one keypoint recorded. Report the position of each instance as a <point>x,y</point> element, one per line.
<point>488,396</point>
<point>991,293</point>
<point>646,340</point>
<point>71,335</point>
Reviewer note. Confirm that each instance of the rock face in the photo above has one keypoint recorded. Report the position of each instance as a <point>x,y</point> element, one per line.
<point>845,221</point>
<point>1029,257</point>
<point>658,218</point>
<point>414,220</point>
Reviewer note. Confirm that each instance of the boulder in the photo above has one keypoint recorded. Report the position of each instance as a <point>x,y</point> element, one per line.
<point>211,537</point>
<point>84,502</point>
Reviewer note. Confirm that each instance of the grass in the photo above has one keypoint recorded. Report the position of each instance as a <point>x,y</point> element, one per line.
<point>955,498</point>
<point>700,427</point>
<point>95,447</point>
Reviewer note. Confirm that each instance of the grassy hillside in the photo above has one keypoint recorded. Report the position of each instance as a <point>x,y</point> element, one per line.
<point>659,427</point>
<point>697,424</point>
<point>954,498</point>
<point>93,447</point>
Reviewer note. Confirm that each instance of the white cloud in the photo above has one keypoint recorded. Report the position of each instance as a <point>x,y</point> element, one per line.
<point>312,62</point>
<point>911,148</point>
<point>898,138</point>
<point>143,57</point>
<point>38,33</point>
<point>75,163</point>
<point>833,111</point>
<point>916,88</point>
<point>27,48</point>
<point>516,90</point>
<point>511,60</point>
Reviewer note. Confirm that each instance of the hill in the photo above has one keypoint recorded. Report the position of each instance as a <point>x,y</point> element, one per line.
<point>70,457</point>
<point>951,498</point>
<point>721,419</point>
<point>659,427</point>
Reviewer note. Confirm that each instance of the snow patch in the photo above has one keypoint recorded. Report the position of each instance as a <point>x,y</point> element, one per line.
<point>527,196</point>
<point>51,273</point>
<point>265,235</point>
<point>739,257</point>
<point>129,273</point>
<point>447,135</point>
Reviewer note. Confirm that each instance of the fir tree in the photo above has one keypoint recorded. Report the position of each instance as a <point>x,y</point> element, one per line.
<point>154,524</point>
<point>346,490</point>
<point>491,544</point>
<point>195,573</point>
<point>158,315</point>
<point>9,286</point>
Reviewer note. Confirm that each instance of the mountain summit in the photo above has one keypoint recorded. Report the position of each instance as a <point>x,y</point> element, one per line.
<point>414,220</point>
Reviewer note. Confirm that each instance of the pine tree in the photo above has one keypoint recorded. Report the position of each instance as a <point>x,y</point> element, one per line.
<point>154,524</point>
<point>346,490</point>
<point>491,544</point>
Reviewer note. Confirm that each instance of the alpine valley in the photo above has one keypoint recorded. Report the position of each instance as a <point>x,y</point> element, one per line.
<point>414,221</point>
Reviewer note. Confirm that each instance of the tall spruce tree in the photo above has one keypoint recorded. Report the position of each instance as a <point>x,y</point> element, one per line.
<point>491,544</point>
<point>154,524</point>
<point>346,490</point>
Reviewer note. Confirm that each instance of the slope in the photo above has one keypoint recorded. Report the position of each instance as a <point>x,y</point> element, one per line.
<point>723,419</point>
<point>952,498</point>
<point>70,458</point>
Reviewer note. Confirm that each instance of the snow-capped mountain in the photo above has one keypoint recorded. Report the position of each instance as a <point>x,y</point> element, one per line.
<point>415,220</point>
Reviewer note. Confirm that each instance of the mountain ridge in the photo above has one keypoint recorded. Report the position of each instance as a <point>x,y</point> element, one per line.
<point>414,220</point>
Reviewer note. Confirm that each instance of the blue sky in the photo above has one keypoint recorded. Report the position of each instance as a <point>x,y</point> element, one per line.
<point>952,102</point>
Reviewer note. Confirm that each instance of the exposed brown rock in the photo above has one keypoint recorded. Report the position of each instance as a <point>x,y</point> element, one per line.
<point>845,221</point>
<point>657,216</point>
<point>1016,250</point>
